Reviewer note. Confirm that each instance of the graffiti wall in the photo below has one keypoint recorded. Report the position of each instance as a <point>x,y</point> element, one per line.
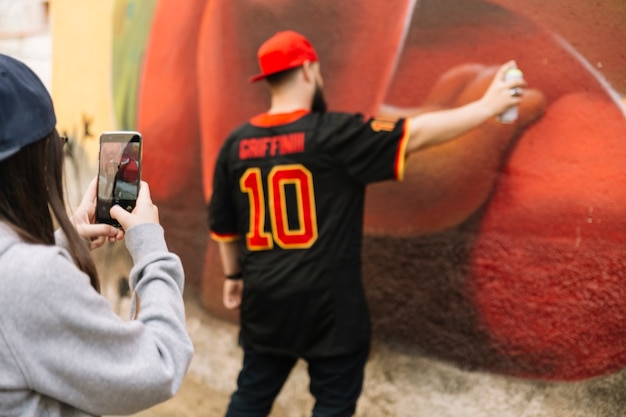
<point>502,251</point>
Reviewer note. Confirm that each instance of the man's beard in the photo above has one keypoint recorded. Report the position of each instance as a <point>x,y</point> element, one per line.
<point>319,103</point>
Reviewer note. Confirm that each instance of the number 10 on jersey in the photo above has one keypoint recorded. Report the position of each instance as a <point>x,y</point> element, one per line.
<point>300,236</point>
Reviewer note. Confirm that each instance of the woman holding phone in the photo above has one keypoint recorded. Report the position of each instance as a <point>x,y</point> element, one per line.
<point>63,350</point>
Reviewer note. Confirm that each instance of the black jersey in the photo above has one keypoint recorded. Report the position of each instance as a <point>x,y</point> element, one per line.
<point>293,194</point>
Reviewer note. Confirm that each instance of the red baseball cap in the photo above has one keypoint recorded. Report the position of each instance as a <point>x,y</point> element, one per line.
<point>283,51</point>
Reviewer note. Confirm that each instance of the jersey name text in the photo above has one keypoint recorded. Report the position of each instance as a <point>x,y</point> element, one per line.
<point>271,146</point>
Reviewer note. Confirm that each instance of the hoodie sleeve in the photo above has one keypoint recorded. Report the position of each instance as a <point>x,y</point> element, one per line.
<point>70,345</point>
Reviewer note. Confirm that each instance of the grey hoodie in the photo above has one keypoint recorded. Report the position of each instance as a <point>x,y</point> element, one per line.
<point>64,351</point>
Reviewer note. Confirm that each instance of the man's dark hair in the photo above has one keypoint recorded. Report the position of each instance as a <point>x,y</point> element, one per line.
<point>280,77</point>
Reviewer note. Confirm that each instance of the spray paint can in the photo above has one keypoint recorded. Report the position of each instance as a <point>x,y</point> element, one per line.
<point>510,115</point>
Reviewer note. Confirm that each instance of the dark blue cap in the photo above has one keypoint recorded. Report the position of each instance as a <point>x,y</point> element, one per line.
<point>26,110</point>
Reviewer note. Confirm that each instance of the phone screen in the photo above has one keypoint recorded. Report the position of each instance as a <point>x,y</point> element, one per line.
<point>119,173</point>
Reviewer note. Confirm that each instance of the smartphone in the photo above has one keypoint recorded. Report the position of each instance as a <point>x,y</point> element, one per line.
<point>119,173</point>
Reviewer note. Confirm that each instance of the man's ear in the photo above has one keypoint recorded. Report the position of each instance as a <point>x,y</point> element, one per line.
<point>308,71</point>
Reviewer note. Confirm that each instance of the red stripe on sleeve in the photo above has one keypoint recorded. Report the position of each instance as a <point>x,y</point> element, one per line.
<point>224,237</point>
<point>401,154</point>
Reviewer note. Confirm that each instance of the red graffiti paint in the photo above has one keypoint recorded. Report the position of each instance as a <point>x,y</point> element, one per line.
<point>548,267</point>
<point>168,112</point>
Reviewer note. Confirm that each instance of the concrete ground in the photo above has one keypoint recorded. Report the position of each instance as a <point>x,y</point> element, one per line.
<point>400,382</point>
<point>397,384</point>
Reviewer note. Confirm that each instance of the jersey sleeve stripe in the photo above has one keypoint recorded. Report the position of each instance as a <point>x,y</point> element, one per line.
<point>224,237</point>
<point>401,153</point>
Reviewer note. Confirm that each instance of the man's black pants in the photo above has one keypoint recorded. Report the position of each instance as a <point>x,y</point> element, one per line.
<point>335,383</point>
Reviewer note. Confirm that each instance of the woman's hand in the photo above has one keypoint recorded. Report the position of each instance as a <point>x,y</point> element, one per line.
<point>84,217</point>
<point>144,212</point>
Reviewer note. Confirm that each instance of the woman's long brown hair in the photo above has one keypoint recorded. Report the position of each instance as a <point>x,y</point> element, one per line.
<point>31,193</point>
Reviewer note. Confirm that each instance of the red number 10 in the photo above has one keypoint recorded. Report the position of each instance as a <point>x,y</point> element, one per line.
<point>300,237</point>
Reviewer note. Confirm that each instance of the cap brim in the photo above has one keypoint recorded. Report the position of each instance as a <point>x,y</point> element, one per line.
<point>261,76</point>
<point>8,152</point>
<point>258,77</point>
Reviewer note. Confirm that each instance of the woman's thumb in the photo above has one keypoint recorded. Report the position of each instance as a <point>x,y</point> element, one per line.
<point>118,213</point>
